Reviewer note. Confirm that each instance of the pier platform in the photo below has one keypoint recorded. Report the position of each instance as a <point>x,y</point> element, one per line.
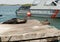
<point>32,31</point>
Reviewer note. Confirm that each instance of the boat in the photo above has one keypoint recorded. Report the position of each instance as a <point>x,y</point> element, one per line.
<point>42,8</point>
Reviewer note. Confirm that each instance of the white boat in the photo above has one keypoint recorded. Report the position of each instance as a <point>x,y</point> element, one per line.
<point>43,8</point>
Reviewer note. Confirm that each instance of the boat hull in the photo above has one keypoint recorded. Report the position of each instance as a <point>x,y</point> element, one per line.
<point>39,13</point>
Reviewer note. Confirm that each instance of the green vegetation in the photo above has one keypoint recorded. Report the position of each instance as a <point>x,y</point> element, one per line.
<point>27,5</point>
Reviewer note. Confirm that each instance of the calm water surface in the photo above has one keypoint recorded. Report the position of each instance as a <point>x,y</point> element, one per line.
<point>8,12</point>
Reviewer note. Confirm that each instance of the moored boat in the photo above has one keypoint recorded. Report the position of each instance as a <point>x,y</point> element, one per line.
<point>42,9</point>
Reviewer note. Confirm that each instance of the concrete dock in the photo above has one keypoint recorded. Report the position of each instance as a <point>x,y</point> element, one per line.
<point>32,31</point>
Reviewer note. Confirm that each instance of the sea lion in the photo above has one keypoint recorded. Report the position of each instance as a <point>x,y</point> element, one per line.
<point>15,21</point>
<point>46,22</point>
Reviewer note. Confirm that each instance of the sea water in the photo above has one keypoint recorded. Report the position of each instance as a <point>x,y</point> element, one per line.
<point>8,12</point>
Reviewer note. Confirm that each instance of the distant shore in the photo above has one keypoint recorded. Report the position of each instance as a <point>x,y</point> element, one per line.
<point>9,4</point>
<point>16,4</point>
